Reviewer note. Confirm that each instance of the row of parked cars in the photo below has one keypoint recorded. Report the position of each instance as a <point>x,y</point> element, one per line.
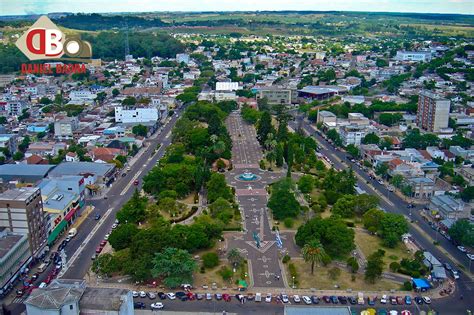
<point>284,298</point>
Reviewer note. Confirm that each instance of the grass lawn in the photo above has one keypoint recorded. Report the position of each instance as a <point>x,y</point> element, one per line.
<point>212,276</point>
<point>370,243</point>
<point>320,280</point>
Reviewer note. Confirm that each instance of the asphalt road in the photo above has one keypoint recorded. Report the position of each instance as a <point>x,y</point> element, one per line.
<point>393,203</point>
<point>92,232</point>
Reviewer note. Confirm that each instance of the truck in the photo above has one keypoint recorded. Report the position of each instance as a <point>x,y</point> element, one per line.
<point>258,297</point>
<point>72,232</point>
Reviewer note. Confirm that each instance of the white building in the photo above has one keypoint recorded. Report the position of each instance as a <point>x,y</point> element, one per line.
<point>136,115</point>
<point>15,108</point>
<point>64,128</point>
<point>182,58</point>
<point>82,97</point>
<point>352,134</point>
<point>423,56</point>
<point>227,86</point>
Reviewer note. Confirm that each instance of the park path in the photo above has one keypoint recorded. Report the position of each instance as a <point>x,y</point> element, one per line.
<point>257,242</point>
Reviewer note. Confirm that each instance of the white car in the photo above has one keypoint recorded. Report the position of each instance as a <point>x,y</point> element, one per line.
<point>426,299</point>
<point>306,299</point>
<point>171,296</point>
<point>296,298</point>
<point>384,299</point>
<point>268,298</point>
<point>208,296</point>
<point>470,256</point>
<point>284,298</point>
<point>106,237</point>
<point>135,294</point>
<point>151,295</point>
<point>462,249</point>
<point>157,306</point>
<point>142,294</point>
<point>114,226</point>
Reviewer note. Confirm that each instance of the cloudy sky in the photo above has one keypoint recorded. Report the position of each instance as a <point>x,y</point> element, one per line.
<point>11,7</point>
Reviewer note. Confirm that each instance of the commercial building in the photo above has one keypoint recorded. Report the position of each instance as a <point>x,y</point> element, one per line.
<point>82,97</point>
<point>21,211</point>
<point>73,297</point>
<point>446,207</point>
<point>24,173</point>
<point>136,115</point>
<point>14,256</point>
<point>329,119</point>
<point>422,187</point>
<point>321,92</point>
<point>278,95</point>
<point>227,86</point>
<point>433,112</point>
<point>64,128</point>
<point>352,134</point>
<point>63,197</point>
<point>423,56</point>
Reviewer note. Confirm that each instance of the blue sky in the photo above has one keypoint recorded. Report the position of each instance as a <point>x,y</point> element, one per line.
<point>12,7</point>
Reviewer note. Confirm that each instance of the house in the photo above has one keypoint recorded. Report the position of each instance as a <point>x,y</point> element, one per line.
<point>437,270</point>
<point>105,154</point>
<point>447,207</point>
<point>45,148</point>
<point>352,134</point>
<point>422,187</point>
<point>459,151</point>
<point>64,128</point>
<point>467,173</point>
<point>72,157</point>
<point>36,159</point>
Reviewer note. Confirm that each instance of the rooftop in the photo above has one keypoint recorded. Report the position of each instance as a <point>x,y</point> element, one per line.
<point>106,299</point>
<point>24,170</point>
<point>77,168</point>
<point>57,294</point>
<point>8,241</point>
<point>323,310</point>
<point>20,194</point>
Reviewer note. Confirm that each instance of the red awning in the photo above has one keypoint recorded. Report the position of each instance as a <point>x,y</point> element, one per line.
<point>69,216</point>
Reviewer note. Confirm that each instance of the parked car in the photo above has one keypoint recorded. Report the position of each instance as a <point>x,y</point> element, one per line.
<point>371,300</point>
<point>171,295</point>
<point>135,294</point>
<point>157,306</point>
<point>284,298</point>
<point>151,295</point>
<point>383,300</point>
<point>470,256</point>
<point>97,217</point>
<point>426,299</point>
<point>268,298</point>
<point>326,299</point>
<point>199,296</point>
<point>447,266</point>
<point>393,300</point>
<point>462,249</point>
<point>208,296</point>
<point>342,299</point>
<point>418,300</point>
<point>399,300</point>
<point>352,300</point>
<point>455,274</point>
<point>258,297</point>
<point>139,305</point>
<point>162,296</point>
<point>142,294</point>
<point>218,296</point>
<point>226,297</point>
<point>250,297</point>
<point>334,299</point>
<point>136,182</point>
<point>408,300</point>
<point>306,299</point>
<point>98,249</point>
<point>180,294</point>
<point>296,298</point>
<point>103,243</point>
<point>314,299</point>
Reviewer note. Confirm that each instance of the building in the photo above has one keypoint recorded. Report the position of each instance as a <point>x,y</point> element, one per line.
<point>24,173</point>
<point>21,211</point>
<point>327,118</point>
<point>227,86</point>
<point>446,207</point>
<point>63,197</point>
<point>73,297</point>
<point>422,187</point>
<point>417,56</point>
<point>320,92</point>
<point>182,58</point>
<point>352,134</point>
<point>82,97</point>
<point>64,128</point>
<point>14,257</point>
<point>8,141</point>
<point>433,112</point>
<point>467,173</point>
<point>278,95</point>
<point>95,174</point>
<point>136,115</point>
<point>15,108</point>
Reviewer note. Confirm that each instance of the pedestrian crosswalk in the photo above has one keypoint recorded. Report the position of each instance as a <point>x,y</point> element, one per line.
<point>19,300</point>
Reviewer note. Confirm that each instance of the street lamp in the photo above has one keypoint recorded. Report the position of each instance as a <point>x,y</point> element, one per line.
<point>293,282</point>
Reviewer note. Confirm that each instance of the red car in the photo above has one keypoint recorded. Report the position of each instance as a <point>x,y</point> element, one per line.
<point>135,182</point>
<point>226,297</point>
<point>191,296</point>
<point>98,250</point>
<point>103,243</point>
<point>48,279</point>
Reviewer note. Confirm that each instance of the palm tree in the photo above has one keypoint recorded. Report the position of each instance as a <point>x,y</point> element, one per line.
<point>313,252</point>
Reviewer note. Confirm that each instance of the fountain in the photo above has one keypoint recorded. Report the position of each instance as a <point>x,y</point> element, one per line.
<point>247,176</point>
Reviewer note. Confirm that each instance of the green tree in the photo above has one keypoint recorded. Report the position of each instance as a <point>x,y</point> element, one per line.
<point>222,210</point>
<point>115,92</point>
<point>375,264</point>
<point>264,127</point>
<point>306,184</point>
<point>210,260</point>
<point>382,170</point>
<point>392,227</point>
<point>217,187</point>
<point>122,236</point>
<point>129,101</point>
<point>234,257</point>
<point>140,130</point>
<point>313,252</point>
<point>353,150</point>
<point>334,136</point>
<point>18,156</point>
<point>462,231</point>
<point>133,211</point>
<point>282,200</point>
<point>176,266</point>
<point>467,194</point>
<point>371,138</point>
<point>372,220</point>
<point>397,180</point>
<point>353,264</point>
<point>279,155</point>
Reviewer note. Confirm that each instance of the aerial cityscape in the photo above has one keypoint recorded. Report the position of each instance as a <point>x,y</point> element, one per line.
<point>191,157</point>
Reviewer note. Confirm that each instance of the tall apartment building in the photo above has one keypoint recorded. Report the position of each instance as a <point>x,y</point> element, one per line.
<point>21,211</point>
<point>433,112</point>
